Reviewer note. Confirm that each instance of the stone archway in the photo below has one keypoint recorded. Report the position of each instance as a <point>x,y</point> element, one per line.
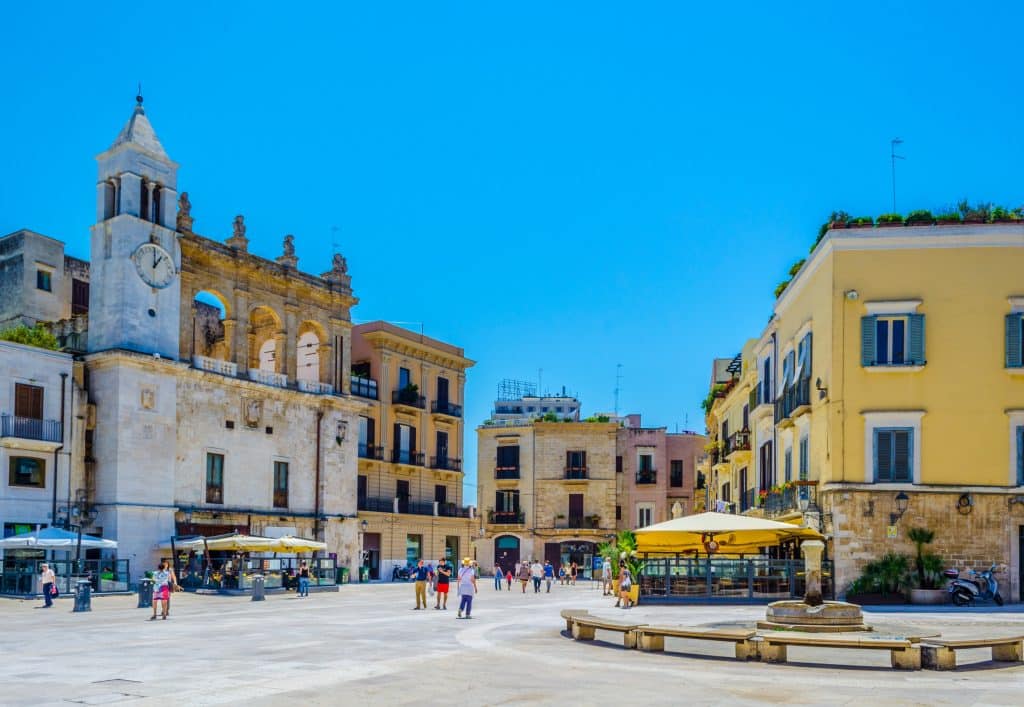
<point>506,552</point>
<point>266,339</point>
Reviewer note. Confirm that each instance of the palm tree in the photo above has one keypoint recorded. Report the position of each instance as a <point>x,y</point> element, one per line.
<point>920,537</point>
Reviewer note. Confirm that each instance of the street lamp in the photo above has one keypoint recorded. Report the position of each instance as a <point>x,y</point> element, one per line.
<point>902,501</point>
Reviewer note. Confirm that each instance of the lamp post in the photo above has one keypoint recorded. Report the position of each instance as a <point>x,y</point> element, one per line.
<point>902,501</point>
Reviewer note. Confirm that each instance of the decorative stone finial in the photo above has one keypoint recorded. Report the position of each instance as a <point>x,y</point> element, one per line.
<point>339,271</point>
<point>238,240</point>
<point>287,256</point>
<point>184,213</point>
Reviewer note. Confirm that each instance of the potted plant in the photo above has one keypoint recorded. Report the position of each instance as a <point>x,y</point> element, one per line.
<point>928,568</point>
<point>860,222</point>
<point>888,220</point>
<point>921,217</point>
<point>838,219</point>
<point>948,218</point>
<point>884,581</point>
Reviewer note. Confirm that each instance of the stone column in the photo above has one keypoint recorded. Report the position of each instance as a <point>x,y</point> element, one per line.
<point>812,550</point>
<point>243,340</point>
<point>325,363</point>
<point>149,199</point>
<point>229,338</point>
<point>131,194</point>
<point>290,364</point>
<point>282,362</point>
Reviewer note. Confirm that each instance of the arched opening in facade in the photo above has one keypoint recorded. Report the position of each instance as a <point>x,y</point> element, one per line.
<point>266,340</point>
<point>506,552</point>
<point>309,352</point>
<point>209,337</point>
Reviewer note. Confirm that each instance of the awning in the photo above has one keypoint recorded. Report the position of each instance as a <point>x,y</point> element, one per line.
<point>735,534</point>
<point>56,539</point>
<point>248,543</point>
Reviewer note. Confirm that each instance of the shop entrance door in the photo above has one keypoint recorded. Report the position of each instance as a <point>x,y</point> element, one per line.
<point>371,554</point>
<point>506,552</point>
<point>582,553</point>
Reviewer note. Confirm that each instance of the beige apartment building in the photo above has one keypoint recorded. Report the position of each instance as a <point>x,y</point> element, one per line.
<point>410,447</point>
<point>546,491</point>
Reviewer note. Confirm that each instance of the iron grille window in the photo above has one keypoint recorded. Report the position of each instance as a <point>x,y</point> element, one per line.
<point>280,484</point>
<point>214,478</point>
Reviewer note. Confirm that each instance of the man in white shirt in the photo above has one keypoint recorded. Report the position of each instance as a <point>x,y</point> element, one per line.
<point>467,587</point>
<point>606,576</point>
<point>536,574</point>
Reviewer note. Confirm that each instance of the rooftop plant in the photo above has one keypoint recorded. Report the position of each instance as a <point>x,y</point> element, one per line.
<point>948,216</point>
<point>920,217</point>
<point>890,218</point>
<point>37,336</point>
<point>979,213</point>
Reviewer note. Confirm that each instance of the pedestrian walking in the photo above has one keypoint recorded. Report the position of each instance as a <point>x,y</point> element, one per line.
<point>549,574</point>
<point>606,577</point>
<point>562,574</point>
<point>625,585</point>
<point>573,571</point>
<point>303,579</point>
<point>508,580</point>
<point>422,574</point>
<point>444,575</point>
<point>467,588</point>
<point>536,574</point>
<point>524,575</point>
<point>49,583</point>
<point>161,590</point>
<point>498,576</point>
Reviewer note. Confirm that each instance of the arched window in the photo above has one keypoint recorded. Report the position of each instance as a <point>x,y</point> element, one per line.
<point>308,353</point>
<point>208,339</point>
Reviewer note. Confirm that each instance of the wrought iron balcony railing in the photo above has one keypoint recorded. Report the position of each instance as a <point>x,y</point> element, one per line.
<point>443,407</point>
<point>30,428</point>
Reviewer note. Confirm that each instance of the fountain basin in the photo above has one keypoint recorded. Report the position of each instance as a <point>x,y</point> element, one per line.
<point>828,617</point>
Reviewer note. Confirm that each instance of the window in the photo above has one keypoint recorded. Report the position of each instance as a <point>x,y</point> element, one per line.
<point>742,488</point>
<point>79,296</point>
<point>645,463</point>
<point>766,461</point>
<point>441,493</point>
<point>413,549</point>
<point>28,401</point>
<point>367,434</point>
<point>576,465</point>
<point>214,478</point>
<point>805,462</point>
<point>645,516</point>
<point>675,476</point>
<point>803,359</point>
<point>766,381</point>
<point>508,460</point>
<point>787,458</point>
<point>892,340</point>
<point>787,373</point>
<point>404,378</point>
<point>280,484</point>
<point>402,494</point>
<point>442,390</point>
<point>405,444</point>
<point>726,492</point>
<point>44,280</point>
<point>361,491</point>
<point>28,471</point>
<point>451,548</point>
<point>1014,340</point>
<point>618,465</point>
<point>506,507</point>
<point>441,446</point>
<point>893,453</point>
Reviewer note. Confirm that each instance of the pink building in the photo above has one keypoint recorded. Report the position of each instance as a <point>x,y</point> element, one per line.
<point>657,469</point>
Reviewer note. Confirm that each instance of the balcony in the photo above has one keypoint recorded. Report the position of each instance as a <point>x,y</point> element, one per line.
<point>794,401</point>
<point>405,456</point>
<point>404,505</point>
<point>31,428</point>
<point>278,380</point>
<point>368,451</point>
<point>737,442</point>
<point>506,472</point>
<point>576,472</point>
<point>280,498</point>
<point>443,407</point>
<point>787,499</point>
<point>363,387</point>
<point>409,397</point>
<point>446,463</point>
<point>646,476</point>
<point>506,517</point>
<point>315,387</point>
<point>578,522</point>
<point>215,365</point>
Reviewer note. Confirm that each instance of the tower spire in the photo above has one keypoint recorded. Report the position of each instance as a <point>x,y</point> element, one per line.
<point>138,99</point>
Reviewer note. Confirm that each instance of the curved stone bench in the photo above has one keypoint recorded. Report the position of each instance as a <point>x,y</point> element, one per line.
<point>652,638</point>
<point>940,653</point>
<point>903,654</point>
<point>583,626</point>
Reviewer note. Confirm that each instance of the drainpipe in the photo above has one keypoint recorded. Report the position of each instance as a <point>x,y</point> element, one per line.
<point>53,509</point>
<point>71,439</point>
<point>316,491</point>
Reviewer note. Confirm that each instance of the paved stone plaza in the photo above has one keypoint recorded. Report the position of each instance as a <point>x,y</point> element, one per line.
<point>365,645</point>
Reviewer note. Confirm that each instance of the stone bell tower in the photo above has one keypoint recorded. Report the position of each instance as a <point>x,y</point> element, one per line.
<point>135,296</point>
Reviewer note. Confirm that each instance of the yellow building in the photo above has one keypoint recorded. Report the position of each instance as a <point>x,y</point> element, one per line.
<point>890,378</point>
<point>410,447</point>
<point>546,491</point>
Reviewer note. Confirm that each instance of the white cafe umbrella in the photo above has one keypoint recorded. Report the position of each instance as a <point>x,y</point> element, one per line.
<point>55,539</point>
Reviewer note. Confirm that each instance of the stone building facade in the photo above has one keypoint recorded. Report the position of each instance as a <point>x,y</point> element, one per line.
<point>38,282</point>
<point>656,473</point>
<point>410,447</point>
<point>547,490</point>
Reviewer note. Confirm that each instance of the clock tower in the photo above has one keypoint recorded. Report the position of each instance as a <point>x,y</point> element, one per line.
<point>136,292</point>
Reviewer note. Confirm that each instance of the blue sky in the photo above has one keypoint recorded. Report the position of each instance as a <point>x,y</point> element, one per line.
<point>559,188</point>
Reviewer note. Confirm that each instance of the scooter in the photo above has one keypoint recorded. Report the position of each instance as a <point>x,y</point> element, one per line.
<point>404,573</point>
<point>979,587</point>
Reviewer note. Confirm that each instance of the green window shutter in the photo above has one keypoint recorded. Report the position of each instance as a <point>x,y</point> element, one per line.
<point>867,341</point>
<point>1013,341</point>
<point>916,339</point>
<point>901,449</point>
<point>805,463</point>
<point>789,465</point>
<point>883,455</point>
<point>1020,456</point>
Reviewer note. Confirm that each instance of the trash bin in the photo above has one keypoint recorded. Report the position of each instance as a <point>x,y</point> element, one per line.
<point>83,595</point>
<point>343,575</point>
<point>257,587</point>
<point>145,593</point>
<point>364,574</point>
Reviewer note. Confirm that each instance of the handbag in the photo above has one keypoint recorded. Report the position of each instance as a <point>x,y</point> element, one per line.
<point>53,590</point>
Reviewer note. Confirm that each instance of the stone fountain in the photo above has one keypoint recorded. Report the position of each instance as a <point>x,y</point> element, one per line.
<point>813,614</point>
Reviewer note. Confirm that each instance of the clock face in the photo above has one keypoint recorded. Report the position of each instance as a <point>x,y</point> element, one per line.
<point>154,265</point>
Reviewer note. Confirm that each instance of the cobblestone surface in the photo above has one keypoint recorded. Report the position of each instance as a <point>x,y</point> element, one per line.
<point>365,644</point>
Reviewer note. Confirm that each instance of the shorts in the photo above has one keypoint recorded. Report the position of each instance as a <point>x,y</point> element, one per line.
<point>162,593</point>
<point>442,589</point>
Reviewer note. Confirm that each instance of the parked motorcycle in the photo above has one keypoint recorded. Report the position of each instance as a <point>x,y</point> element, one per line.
<point>978,587</point>
<point>404,573</point>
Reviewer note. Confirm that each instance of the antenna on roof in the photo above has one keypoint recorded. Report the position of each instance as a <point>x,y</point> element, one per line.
<point>138,96</point>
<point>618,378</point>
<point>893,156</point>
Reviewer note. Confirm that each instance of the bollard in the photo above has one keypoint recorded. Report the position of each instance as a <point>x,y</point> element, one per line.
<point>145,593</point>
<point>83,595</point>
<point>257,587</point>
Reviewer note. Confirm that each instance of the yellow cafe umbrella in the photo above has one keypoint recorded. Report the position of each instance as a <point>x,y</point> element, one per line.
<point>733,534</point>
<point>290,543</point>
